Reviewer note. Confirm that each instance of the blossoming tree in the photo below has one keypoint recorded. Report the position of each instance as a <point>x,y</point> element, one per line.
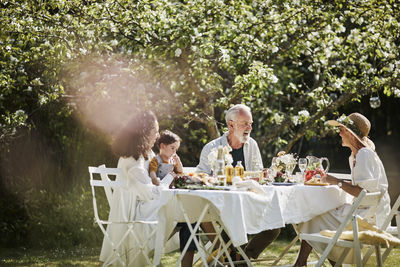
<point>293,62</point>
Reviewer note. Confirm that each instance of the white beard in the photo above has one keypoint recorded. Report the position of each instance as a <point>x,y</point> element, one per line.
<point>242,138</point>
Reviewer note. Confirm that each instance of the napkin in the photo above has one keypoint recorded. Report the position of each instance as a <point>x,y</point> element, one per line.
<point>250,185</point>
<point>166,181</point>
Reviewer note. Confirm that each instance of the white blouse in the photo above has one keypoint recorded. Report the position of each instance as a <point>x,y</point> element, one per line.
<point>137,200</point>
<point>368,172</point>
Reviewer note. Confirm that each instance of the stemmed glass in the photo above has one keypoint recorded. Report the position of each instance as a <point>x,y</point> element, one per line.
<point>289,168</point>
<point>303,165</point>
<point>274,165</point>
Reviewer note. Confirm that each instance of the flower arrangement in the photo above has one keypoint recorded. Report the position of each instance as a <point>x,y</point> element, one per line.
<point>282,166</point>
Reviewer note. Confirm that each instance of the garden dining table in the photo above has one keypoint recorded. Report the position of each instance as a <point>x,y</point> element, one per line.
<point>244,212</point>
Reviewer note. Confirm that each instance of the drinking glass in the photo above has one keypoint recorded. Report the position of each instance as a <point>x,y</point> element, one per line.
<point>289,169</point>
<point>302,165</point>
<point>275,163</point>
<point>270,175</point>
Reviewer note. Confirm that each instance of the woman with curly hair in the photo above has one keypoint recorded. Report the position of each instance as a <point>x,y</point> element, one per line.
<point>139,198</point>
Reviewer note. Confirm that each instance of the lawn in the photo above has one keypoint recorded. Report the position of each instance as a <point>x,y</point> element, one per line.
<point>89,257</point>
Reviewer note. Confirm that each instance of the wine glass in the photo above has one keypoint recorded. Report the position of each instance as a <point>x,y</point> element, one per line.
<point>275,164</point>
<point>302,165</point>
<point>289,168</point>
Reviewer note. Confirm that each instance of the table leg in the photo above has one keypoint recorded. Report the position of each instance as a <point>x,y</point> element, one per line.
<point>192,231</point>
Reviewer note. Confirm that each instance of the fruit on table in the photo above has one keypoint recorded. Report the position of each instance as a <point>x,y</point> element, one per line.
<point>311,173</point>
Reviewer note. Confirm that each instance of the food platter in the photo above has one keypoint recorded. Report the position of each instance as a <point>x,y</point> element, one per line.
<point>315,181</point>
<point>316,184</point>
<point>204,187</point>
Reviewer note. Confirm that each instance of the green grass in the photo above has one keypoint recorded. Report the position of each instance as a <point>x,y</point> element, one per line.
<point>89,257</point>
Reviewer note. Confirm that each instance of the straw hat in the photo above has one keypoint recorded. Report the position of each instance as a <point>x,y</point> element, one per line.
<point>358,125</point>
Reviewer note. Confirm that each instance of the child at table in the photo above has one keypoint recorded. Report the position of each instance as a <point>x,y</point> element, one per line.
<point>166,160</point>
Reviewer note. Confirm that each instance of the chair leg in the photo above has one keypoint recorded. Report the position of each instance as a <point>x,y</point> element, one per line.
<point>386,253</point>
<point>367,255</point>
<point>342,257</point>
<point>285,250</point>
<point>356,241</point>
<point>378,255</point>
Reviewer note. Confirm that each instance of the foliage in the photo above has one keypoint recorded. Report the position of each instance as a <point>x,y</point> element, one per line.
<point>53,220</point>
<point>45,197</point>
<point>302,59</point>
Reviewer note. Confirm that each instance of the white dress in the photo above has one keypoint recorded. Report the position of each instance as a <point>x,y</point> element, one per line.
<point>368,172</point>
<point>139,200</point>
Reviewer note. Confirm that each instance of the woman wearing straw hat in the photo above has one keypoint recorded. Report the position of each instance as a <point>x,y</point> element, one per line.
<point>367,172</point>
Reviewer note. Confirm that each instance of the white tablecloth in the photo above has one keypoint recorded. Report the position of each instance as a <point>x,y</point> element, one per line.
<point>301,203</point>
<point>243,212</point>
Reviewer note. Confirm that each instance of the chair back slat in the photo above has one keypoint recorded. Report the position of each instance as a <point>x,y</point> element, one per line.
<point>371,199</point>
<point>101,169</point>
<point>107,189</point>
<point>107,184</point>
<point>112,184</point>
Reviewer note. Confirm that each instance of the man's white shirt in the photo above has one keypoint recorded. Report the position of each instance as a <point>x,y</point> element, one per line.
<point>252,155</point>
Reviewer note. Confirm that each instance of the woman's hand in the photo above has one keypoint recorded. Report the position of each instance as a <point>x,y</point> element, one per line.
<point>324,178</point>
<point>346,186</point>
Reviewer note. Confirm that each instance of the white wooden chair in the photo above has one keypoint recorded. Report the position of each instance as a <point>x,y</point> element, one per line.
<point>107,189</point>
<point>342,176</point>
<point>394,230</point>
<point>288,247</point>
<point>109,186</point>
<point>364,199</point>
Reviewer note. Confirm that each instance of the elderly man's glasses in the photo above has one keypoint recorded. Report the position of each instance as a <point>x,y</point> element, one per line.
<point>243,124</point>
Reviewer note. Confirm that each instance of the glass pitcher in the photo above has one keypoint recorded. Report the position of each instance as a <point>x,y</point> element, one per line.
<point>317,163</point>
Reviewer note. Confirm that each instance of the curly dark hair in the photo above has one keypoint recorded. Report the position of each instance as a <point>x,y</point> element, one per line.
<point>134,139</point>
<point>167,138</point>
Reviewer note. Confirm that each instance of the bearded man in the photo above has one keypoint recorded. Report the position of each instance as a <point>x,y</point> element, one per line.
<point>244,149</point>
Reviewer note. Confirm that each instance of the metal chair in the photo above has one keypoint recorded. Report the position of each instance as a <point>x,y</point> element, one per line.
<point>364,199</point>
<point>118,255</point>
<point>342,176</point>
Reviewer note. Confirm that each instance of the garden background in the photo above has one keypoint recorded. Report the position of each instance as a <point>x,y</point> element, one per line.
<point>73,71</point>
